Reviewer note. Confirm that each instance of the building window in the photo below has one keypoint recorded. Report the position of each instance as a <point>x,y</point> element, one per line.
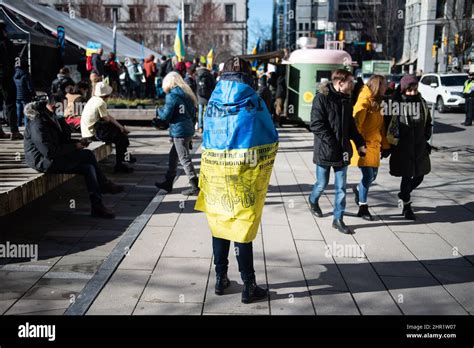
<point>168,40</point>
<point>187,13</point>
<point>136,13</point>
<point>229,13</point>
<point>186,39</point>
<point>301,26</point>
<point>440,8</point>
<point>306,26</point>
<point>110,12</point>
<point>62,8</point>
<point>162,13</point>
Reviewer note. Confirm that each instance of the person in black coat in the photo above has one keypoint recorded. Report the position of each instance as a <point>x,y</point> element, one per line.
<point>63,80</point>
<point>333,127</point>
<point>265,93</point>
<point>24,91</point>
<point>410,158</point>
<point>50,149</point>
<point>7,89</point>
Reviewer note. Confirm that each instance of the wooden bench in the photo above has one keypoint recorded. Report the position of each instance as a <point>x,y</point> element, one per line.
<point>20,184</point>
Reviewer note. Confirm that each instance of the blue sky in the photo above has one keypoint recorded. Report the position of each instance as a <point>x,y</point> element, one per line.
<point>261,10</point>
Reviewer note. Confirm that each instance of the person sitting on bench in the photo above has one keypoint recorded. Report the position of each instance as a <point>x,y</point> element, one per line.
<point>50,149</point>
<point>97,123</point>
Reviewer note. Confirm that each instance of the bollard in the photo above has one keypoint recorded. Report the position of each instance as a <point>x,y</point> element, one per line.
<point>433,112</point>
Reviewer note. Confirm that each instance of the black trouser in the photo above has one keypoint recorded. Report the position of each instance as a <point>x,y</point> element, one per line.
<point>82,162</point>
<point>110,133</point>
<point>407,185</point>
<point>8,91</point>
<point>469,110</point>
<point>150,91</point>
<point>243,252</point>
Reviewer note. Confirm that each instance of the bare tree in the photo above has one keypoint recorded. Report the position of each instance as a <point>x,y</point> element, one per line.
<point>380,21</point>
<point>460,28</point>
<point>209,31</point>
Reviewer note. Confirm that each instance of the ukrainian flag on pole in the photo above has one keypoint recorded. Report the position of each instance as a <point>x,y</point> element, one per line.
<point>255,51</point>
<point>210,58</point>
<point>178,42</point>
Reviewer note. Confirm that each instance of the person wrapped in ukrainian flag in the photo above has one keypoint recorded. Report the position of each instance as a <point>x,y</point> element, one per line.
<point>239,148</point>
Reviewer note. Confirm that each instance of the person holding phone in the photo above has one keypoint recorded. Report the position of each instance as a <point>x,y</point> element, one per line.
<point>333,127</point>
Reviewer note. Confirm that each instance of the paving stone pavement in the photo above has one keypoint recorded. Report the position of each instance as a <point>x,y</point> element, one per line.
<point>389,266</point>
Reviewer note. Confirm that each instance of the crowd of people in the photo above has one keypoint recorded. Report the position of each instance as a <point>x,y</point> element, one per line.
<point>404,138</point>
<point>341,120</point>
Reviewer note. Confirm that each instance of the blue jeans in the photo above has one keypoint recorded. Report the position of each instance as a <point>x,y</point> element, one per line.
<point>369,174</point>
<point>20,105</point>
<point>202,110</point>
<point>322,180</point>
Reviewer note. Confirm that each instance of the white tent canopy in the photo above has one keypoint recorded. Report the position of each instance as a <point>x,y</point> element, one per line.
<point>78,30</point>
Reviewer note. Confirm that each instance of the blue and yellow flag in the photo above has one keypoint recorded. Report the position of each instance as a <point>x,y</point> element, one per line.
<point>178,42</point>
<point>255,51</point>
<point>239,145</point>
<point>210,59</point>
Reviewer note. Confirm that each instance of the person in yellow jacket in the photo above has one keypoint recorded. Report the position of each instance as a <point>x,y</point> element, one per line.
<point>370,124</point>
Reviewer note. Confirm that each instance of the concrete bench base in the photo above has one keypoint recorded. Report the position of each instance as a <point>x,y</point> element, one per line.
<point>20,185</point>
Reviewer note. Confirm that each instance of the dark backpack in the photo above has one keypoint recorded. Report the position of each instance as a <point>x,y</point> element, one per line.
<point>205,85</point>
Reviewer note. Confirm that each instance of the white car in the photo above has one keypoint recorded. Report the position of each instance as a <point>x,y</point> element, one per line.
<point>446,90</point>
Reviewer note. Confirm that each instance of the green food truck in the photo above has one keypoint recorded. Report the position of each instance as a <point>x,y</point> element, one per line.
<point>377,67</point>
<point>307,68</point>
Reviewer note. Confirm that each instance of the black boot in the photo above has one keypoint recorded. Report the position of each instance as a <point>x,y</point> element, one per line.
<point>356,193</point>
<point>111,188</point>
<point>222,283</point>
<point>408,212</point>
<point>166,185</point>
<point>252,292</point>
<point>99,210</point>
<point>315,209</point>
<point>339,225</point>
<point>364,212</point>
<point>194,189</point>
<point>121,168</point>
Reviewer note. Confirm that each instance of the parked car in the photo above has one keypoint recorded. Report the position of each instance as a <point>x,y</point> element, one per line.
<point>443,89</point>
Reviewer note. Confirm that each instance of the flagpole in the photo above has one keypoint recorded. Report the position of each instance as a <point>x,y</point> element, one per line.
<point>182,21</point>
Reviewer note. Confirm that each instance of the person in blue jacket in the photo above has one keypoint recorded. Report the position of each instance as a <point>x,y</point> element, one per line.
<point>24,91</point>
<point>180,112</point>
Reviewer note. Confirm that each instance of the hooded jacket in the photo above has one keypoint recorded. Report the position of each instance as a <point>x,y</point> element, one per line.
<point>370,124</point>
<point>181,119</point>
<point>204,77</point>
<point>59,85</point>
<point>333,127</point>
<point>24,85</point>
<point>45,139</point>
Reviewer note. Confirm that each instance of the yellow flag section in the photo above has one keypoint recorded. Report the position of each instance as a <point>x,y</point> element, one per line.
<point>233,186</point>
